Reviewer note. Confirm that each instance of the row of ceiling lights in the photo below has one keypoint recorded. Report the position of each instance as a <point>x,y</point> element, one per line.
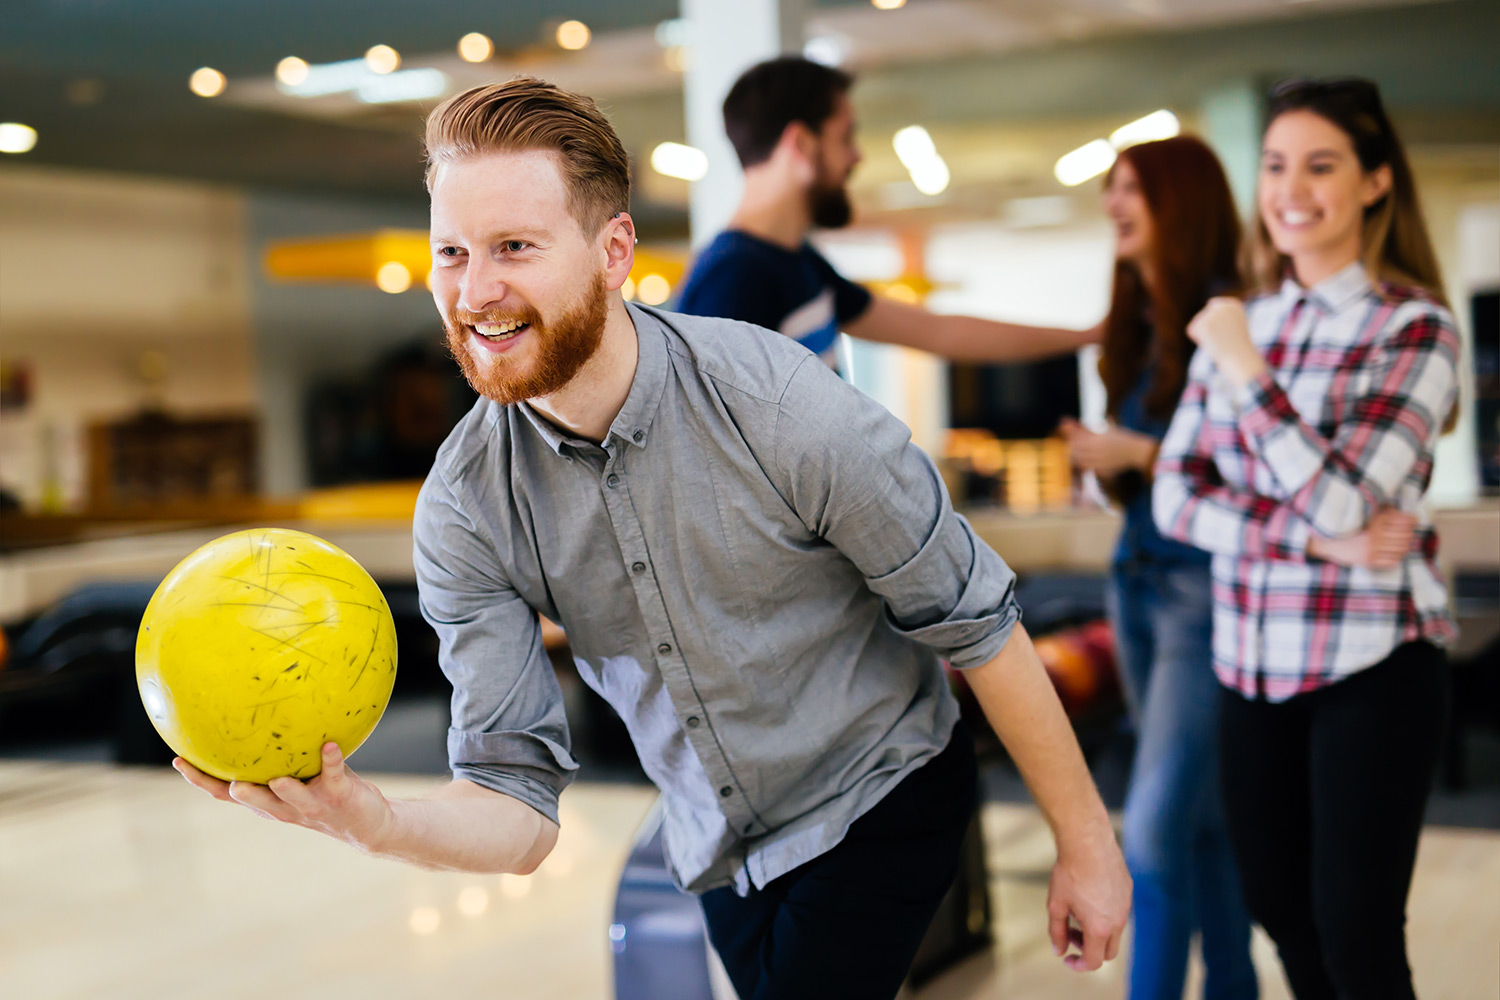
<point>383,60</point>
<point>1093,158</point>
<point>475,47</point>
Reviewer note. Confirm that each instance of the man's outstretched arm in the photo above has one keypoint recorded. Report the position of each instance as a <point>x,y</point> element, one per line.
<point>964,338</point>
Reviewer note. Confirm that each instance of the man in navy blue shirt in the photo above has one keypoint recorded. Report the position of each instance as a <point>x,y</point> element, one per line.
<point>792,124</point>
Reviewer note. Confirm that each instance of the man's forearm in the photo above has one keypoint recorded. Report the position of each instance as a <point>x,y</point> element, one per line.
<point>969,338</point>
<point>1022,706</point>
<point>964,338</point>
<point>464,827</point>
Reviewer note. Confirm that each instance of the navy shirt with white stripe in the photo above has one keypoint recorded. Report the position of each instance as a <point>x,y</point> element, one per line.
<point>796,292</point>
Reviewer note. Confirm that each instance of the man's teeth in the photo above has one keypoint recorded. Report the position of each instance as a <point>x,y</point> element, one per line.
<point>499,331</point>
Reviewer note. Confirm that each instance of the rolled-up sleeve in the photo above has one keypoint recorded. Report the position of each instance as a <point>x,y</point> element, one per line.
<point>854,478</point>
<point>508,733</point>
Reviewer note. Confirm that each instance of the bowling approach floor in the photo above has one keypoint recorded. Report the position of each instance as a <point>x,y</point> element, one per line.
<point>118,883</point>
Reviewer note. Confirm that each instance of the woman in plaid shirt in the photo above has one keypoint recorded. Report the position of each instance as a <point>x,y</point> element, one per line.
<point>1299,457</point>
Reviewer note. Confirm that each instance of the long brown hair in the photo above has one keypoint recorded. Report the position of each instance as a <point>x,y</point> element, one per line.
<point>1193,257</point>
<point>1394,246</point>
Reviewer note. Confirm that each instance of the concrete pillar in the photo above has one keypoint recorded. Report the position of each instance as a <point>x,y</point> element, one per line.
<point>725,38</point>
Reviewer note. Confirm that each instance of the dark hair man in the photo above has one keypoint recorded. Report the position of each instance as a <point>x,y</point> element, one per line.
<point>792,125</point>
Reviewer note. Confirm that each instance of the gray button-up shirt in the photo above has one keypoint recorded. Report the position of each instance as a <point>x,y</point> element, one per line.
<point>757,569</point>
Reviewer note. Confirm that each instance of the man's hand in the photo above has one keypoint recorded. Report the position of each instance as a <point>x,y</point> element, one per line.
<point>1381,546</point>
<point>337,801</point>
<point>1091,886</point>
<point>1110,452</point>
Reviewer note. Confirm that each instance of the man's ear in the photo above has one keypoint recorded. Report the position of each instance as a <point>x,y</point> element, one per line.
<point>798,149</point>
<point>619,249</point>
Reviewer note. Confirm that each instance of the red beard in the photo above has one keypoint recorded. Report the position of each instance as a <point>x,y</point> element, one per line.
<point>561,347</point>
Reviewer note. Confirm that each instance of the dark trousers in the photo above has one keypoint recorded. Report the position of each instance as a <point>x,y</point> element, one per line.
<point>1324,796</point>
<point>848,923</point>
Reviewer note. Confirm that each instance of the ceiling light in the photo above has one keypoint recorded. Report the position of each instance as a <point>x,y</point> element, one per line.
<point>824,49</point>
<point>424,920</point>
<point>330,78</point>
<point>1157,125</point>
<point>888,4</point>
<point>918,154</point>
<point>407,85</point>
<point>627,290</point>
<point>913,144</point>
<point>653,289</point>
<point>573,35</point>
<point>291,71</point>
<point>16,138</point>
<point>931,177</point>
<point>673,159</point>
<point>1084,162</point>
<point>475,47</point>
<point>206,82</point>
<point>382,59</point>
<point>393,277</point>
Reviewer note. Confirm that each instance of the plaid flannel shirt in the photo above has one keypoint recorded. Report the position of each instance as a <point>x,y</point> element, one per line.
<point>1343,423</point>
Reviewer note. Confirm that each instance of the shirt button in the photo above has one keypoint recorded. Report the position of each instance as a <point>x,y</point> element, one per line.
<point>725,792</point>
<point>693,722</point>
<point>664,648</point>
<point>638,436</point>
<point>637,567</point>
<point>613,480</point>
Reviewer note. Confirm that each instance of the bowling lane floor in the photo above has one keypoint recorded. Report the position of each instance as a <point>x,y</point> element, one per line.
<point>120,883</point>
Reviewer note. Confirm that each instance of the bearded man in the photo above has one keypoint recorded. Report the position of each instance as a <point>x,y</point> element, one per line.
<point>754,567</point>
<point>792,125</point>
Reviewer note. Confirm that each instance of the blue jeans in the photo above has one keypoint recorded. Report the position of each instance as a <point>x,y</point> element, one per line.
<point>1176,845</point>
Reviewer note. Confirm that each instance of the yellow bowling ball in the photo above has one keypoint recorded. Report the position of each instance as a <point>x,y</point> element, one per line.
<point>259,648</point>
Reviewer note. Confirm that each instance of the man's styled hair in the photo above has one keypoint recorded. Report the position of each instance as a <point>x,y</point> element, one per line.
<point>525,113</point>
<point>772,95</point>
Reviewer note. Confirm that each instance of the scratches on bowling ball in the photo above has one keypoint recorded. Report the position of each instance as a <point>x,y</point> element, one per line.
<point>268,589</point>
<point>252,604</point>
<point>308,572</point>
<point>374,635</point>
<point>288,670</point>
<point>290,645</point>
<point>303,625</point>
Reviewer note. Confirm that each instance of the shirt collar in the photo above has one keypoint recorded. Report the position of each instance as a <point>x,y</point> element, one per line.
<point>632,425</point>
<point>549,432</point>
<point>1334,293</point>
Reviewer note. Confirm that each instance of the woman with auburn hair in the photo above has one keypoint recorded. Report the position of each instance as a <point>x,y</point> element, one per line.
<point>1300,456</point>
<point>1177,240</point>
